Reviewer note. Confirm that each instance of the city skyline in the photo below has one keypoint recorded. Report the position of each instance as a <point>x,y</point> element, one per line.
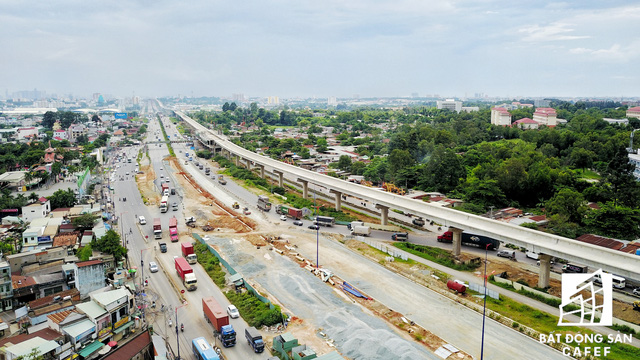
<point>292,49</point>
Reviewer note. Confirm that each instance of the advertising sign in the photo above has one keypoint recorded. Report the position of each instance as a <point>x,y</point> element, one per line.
<point>120,115</point>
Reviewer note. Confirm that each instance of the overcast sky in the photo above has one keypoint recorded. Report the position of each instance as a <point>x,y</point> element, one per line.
<point>321,48</point>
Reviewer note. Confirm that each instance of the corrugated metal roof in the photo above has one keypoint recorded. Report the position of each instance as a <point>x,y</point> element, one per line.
<point>91,309</point>
<point>331,356</point>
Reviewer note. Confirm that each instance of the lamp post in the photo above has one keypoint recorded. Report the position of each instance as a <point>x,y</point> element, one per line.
<point>317,232</point>
<point>178,339</point>
<point>484,305</point>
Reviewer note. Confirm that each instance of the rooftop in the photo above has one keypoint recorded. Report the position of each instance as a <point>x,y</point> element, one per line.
<point>88,263</point>
<point>20,281</point>
<point>91,309</point>
<point>47,334</point>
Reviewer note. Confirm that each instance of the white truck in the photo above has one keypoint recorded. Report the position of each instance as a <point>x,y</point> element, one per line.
<point>164,204</point>
<point>360,230</point>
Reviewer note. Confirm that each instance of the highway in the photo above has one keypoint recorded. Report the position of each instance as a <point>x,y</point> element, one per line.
<point>595,257</point>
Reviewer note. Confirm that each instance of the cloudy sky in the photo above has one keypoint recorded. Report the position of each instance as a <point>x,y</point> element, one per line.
<point>321,48</point>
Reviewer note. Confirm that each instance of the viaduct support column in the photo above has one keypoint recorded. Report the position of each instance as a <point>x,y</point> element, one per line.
<point>384,214</point>
<point>280,178</point>
<point>338,196</point>
<point>305,188</point>
<point>235,160</point>
<point>457,240</point>
<point>248,164</point>
<point>261,171</point>
<point>545,269</point>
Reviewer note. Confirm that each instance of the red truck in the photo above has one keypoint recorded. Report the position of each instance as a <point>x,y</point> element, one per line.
<point>173,229</point>
<point>215,315</point>
<point>165,189</point>
<point>185,272</point>
<point>188,253</point>
<point>157,228</point>
<point>289,211</point>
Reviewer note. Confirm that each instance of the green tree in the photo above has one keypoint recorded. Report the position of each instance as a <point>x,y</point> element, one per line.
<point>619,222</point>
<point>322,145</point>
<point>110,244</point>
<point>84,253</point>
<point>49,119</point>
<point>33,197</point>
<point>582,158</point>
<point>344,163</point>
<point>485,193</point>
<point>62,199</point>
<point>399,160</point>
<point>84,221</point>
<point>225,107</point>
<point>443,172</point>
<point>567,202</point>
<point>559,224</point>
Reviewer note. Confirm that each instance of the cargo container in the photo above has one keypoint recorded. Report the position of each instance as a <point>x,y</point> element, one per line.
<point>216,316</point>
<point>325,220</point>
<point>254,338</point>
<point>188,253</point>
<point>173,229</point>
<point>185,272</point>
<point>480,241</point>
<point>157,228</point>
<point>289,211</point>
<point>361,230</point>
<point>164,203</point>
<point>400,236</point>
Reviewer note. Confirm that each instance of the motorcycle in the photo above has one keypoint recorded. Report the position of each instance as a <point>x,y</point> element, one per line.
<point>182,327</point>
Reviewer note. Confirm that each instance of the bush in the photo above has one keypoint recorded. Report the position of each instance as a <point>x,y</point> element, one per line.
<point>211,264</point>
<point>437,255</point>
<point>253,311</point>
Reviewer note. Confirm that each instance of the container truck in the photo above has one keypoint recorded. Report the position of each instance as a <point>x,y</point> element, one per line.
<point>325,220</point>
<point>289,211</point>
<point>575,268</point>
<point>188,253</point>
<point>263,203</point>
<point>361,230</point>
<point>173,229</point>
<point>165,189</point>
<point>221,180</point>
<point>480,241</point>
<point>354,224</point>
<point>157,228</point>
<point>400,236</point>
<point>164,204</point>
<point>254,338</point>
<point>217,317</point>
<point>185,272</point>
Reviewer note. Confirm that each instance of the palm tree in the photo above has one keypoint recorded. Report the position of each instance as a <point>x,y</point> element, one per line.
<point>28,176</point>
<point>33,197</point>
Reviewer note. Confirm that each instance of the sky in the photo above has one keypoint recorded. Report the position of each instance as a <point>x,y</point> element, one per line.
<point>302,48</point>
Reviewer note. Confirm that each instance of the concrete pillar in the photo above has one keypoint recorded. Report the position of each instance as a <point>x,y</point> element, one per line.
<point>545,269</point>
<point>235,160</point>
<point>248,164</point>
<point>338,198</point>
<point>261,171</point>
<point>305,188</point>
<point>280,177</point>
<point>457,240</point>
<point>384,214</point>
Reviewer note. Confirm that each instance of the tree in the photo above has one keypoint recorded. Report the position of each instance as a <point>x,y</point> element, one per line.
<point>569,203</point>
<point>443,172</point>
<point>62,199</point>
<point>110,244</point>
<point>344,163</point>
<point>233,106</point>
<point>33,197</point>
<point>49,119</point>
<point>322,145</point>
<point>582,158</point>
<point>84,253</point>
<point>225,107</point>
<point>399,160</point>
<point>619,222</point>
<point>485,193</point>
<point>84,221</point>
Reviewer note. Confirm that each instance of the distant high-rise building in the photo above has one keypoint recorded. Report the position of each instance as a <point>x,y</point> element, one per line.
<point>100,99</point>
<point>415,95</point>
<point>273,100</point>
<point>541,103</point>
<point>500,116</point>
<point>332,101</point>
<point>449,104</point>
<point>238,97</point>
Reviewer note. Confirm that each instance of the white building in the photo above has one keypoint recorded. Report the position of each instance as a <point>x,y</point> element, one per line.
<point>26,132</point>
<point>635,159</point>
<point>60,134</point>
<point>526,123</point>
<point>39,209</point>
<point>546,116</point>
<point>449,104</point>
<point>634,112</point>
<point>500,116</point>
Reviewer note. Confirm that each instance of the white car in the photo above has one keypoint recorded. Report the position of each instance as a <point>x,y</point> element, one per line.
<point>283,217</point>
<point>142,220</point>
<point>233,311</point>
<point>161,168</point>
<point>153,266</point>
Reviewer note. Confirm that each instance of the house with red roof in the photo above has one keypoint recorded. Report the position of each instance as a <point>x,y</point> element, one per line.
<point>526,123</point>
<point>500,116</point>
<point>546,116</point>
<point>634,112</point>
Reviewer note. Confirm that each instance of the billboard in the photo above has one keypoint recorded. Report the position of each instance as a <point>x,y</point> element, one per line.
<point>120,115</point>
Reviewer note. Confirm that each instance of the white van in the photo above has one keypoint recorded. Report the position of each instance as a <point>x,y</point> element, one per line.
<point>142,220</point>
<point>618,282</point>
<point>507,253</point>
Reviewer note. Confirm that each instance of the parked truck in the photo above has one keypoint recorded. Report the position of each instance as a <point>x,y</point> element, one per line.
<point>221,180</point>
<point>157,228</point>
<point>173,229</point>
<point>480,241</point>
<point>185,272</point>
<point>263,203</point>
<point>254,339</point>
<point>289,211</point>
<point>188,253</point>
<point>361,230</point>
<point>165,189</point>
<point>325,220</point>
<point>164,204</point>
<point>217,317</point>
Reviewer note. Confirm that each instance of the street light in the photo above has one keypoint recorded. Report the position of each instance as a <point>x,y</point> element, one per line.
<point>484,305</point>
<point>317,232</point>
<point>177,339</point>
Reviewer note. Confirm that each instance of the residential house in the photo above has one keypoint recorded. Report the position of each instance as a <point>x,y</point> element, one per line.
<point>89,276</point>
<point>25,289</point>
<point>546,116</point>
<point>6,287</point>
<point>120,305</point>
<point>634,112</point>
<point>138,348</point>
<point>526,123</point>
<point>78,328</point>
<point>27,133</point>
<point>22,345</point>
<point>99,316</point>
<point>75,131</point>
<point>60,135</point>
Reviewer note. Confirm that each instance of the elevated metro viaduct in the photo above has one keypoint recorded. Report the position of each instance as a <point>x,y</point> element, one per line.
<point>547,245</point>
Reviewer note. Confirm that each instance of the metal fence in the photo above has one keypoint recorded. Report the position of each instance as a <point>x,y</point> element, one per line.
<point>480,289</point>
<point>384,248</point>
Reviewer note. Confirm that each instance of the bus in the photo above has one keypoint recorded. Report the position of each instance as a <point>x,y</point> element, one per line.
<point>618,282</point>
<point>202,350</point>
<point>325,220</point>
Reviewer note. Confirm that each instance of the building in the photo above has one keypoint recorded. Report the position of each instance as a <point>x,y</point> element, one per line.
<point>541,103</point>
<point>48,349</point>
<point>500,116</point>
<point>39,209</point>
<point>635,160</point>
<point>99,316</point>
<point>449,104</point>
<point>27,133</point>
<point>526,123</point>
<point>634,112</point>
<point>14,180</point>
<point>546,116</point>
<point>6,287</point>
<point>89,276</point>
<point>60,134</point>
<point>120,305</point>
<point>76,130</point>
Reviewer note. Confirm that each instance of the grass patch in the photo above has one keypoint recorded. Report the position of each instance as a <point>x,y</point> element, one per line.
<point>166,138</point>
<point>210,263</point>
<point>253,311</point>
<point>437,255</point>
<point>530,294</point>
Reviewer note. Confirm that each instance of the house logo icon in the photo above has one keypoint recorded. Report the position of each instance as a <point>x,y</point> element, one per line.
<point>580,298</point>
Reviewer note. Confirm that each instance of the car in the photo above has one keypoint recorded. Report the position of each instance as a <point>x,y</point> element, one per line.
<point>168,181</point>
<point>313,227</point>
<point>298,223</point>
<point>283,217</point>
<point>636,291</point>
<point>142,220</point>
<point>127,173</point>
<point>153,266</point>
<point>161,176</point>
<point>161,168</point>
<point>163,247</point>
<point>233,311</point>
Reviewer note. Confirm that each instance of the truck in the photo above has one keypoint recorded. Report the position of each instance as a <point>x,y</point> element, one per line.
<point>173,229</point>
<point>400,236</point>
<point>254,339</point>
<point>575,268</point>
<point>165,189</point>
<point>263,203</point>
<point>289,211</point>
<point>418,221</point>
<point>324,220</point>
<point>157,228</point>
<point>185,272</point>
<point>353,224</point>
<point>164,204</point>
<point>361,230</point>
<point>188,253</point>
<point>216,316</point>
<point>221,180</point>
<point>480,241</point>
